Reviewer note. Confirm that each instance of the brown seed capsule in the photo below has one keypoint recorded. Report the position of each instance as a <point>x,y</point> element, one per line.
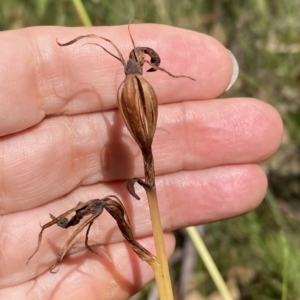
<point>138,106</point>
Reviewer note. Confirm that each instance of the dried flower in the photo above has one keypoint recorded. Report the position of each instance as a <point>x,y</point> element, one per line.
<point>138,101</point>
<point>94,207</point>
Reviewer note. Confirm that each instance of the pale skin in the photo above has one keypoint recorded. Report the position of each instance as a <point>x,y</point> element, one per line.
<point>63,141</point>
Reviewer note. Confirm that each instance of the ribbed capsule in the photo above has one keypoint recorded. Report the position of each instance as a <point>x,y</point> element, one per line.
<point>138,106</point>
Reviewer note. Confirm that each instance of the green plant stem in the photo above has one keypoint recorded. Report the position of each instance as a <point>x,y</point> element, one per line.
<point>82,13</point>
<point>160,266</point>
<point>285,253</point>
<point>209,263</point>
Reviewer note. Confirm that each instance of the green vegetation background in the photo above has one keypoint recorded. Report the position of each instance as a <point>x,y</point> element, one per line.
<point>259,251</point>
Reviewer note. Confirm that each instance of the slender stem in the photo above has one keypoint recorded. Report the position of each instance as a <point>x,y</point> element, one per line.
<point>160,267</point>
<point>209,263</point>
<point>285,255</point>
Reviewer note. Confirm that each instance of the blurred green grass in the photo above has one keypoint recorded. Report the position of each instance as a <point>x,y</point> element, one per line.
<point>264,37</point>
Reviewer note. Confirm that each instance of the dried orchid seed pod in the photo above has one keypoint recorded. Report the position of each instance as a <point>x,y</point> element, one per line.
<point>138,106</point>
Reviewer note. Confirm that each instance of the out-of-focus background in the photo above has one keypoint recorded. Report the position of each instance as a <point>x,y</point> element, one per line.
<point>258,254</point>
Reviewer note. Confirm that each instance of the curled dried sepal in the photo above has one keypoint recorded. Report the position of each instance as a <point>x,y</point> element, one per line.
<point>130,186</point>
<point>118,212</point>
<point>94,208</point>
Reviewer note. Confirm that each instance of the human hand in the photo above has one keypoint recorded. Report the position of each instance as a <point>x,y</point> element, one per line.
<point>63,141</point>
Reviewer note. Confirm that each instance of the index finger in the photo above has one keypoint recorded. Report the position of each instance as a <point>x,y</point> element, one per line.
<point>39,78</point>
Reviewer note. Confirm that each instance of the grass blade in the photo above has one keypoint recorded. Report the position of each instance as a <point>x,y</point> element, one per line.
<point>82,13</point>
<point>209,263</point>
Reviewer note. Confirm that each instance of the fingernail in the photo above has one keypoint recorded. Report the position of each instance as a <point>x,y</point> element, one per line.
<point>235,71</point>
